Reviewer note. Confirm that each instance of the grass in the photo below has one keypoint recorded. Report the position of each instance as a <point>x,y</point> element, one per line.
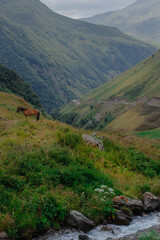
<point>46,170</point>
<point>152,235</point>
<point>152,134</point>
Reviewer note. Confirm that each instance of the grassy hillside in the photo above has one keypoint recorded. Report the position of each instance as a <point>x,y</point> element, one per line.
<point>11,82</point>
<point>46,170</point>
<point>59,57</point>
<point>140,20</point>
<point>131,101</point>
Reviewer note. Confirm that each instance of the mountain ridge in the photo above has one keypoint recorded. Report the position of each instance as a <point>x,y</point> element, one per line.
<point>141,20</point>
<point>59,57</point>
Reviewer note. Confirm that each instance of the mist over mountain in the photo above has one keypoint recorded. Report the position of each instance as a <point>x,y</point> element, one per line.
<point>141,20</point>
<point>61,58</point>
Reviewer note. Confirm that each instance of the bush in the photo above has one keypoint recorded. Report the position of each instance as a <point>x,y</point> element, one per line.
<point>83,179</point>
<point>69,139</point>
<point>39,214</point>
<point>132,159</point>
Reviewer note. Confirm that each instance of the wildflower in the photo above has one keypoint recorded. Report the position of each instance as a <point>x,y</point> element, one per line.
<point>104,186</point>
<point>99,190</point>
<point>110,190</point>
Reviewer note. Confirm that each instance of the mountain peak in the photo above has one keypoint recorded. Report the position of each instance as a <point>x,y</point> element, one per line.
<point>141,20</point>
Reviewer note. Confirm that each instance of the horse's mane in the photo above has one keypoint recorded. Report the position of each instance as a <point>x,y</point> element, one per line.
<point>22,109</point>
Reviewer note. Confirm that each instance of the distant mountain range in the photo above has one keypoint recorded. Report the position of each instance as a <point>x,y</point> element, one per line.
<point>131,101</point>
<point>11,82</point>
<point>141,20</point>
<point>61,58</point>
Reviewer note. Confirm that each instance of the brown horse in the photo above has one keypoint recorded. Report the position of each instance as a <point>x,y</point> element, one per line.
<point>29,112</point>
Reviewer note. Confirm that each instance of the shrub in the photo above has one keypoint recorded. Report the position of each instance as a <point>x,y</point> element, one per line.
<point>69,139</point>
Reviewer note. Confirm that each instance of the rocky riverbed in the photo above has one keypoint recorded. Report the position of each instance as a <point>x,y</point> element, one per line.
<point>139,225</point>
<point>148,231</point>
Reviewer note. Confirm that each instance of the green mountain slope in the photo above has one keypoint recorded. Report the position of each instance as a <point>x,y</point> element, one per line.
<point>11,82</point>
<point>59,57</point>
<point>46,170</point>
<point>141,20</point>
<point>130,101</point>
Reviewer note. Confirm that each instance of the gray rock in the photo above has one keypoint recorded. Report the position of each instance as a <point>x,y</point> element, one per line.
<point>150,202</point>
<point>121,218</point>
<point>136,206</point>
<point>83,237</point>
<point>79,221</point>
<point>107,229</point>
<point>93,141</point>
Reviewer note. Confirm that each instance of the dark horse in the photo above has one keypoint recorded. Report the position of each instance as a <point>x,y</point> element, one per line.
<point>29,112</point>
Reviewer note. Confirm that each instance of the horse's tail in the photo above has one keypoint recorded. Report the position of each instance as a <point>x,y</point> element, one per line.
<point>38,115</point>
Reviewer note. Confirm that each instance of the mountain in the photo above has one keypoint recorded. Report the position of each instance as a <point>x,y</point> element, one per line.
<point>47,170</point>
<point>11,82</point>
<point>61,58</point>
<point>141,20</point>
<point>131,101</point>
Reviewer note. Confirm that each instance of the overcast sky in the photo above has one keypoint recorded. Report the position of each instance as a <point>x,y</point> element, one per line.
<point>85,8</point>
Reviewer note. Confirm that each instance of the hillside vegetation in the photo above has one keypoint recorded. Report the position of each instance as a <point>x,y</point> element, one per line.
<point>61,58</point>
<point>141,20</point>
<point>11,82</point>
<point>46,170</point>
<point>131,101</point>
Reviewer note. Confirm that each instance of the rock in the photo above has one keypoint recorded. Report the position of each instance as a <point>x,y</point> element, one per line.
<point>121,218</point>
<point>93,141</point>
<point>136,206</point>
<point>83,237</point>
<point>94,134</point>
<point>3,235</point>
<point>150,202</point>
<point>79,221</point>
<point>108,229</point>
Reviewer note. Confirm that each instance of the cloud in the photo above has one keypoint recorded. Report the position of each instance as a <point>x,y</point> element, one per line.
<point>85,8</point>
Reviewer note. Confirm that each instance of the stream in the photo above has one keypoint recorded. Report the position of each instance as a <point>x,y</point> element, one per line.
<point>138,223</point>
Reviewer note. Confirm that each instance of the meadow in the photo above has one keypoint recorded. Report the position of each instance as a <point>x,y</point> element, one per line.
<point>46,170</point>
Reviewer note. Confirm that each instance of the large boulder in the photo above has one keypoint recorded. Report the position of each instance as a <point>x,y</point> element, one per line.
<point>150,202</point>
<point>79,221</point>
<point>121,218</point>
<point>83,237</point>
<point>136,206</point>
<point>93,141</point>
<point>3,235</point>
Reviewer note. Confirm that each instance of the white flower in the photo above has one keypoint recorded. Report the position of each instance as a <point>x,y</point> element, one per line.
<point>110,190</point>
<point>107,193</point>
<point>99,190</point>
<point>102,200</point>
<point>104,186</point>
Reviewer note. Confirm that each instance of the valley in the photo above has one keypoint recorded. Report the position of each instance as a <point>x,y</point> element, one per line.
<point>61,58</point>
<point>129,102</point>
<point>89,167</point>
